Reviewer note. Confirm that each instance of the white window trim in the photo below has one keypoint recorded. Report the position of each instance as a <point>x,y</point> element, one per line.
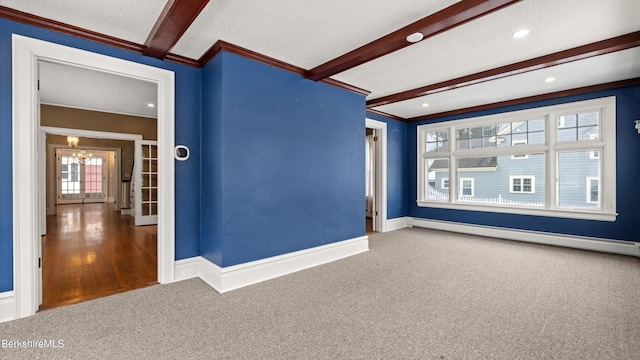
<point>522,177</point>
<point>606,144</point>
<point>589,180</point>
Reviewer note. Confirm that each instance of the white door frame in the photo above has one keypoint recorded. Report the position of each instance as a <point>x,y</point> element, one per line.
<point>25,131</point>
<point>380,203</point>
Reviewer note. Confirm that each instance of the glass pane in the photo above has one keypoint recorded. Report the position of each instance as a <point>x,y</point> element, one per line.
<point>437,179</point>
<point>462,134</point>
<point>536,138</point>
<point>489,131</point>
<point>437,141</point>
<point>576,171</point>
<point>567,134</point>
<point>567,121</point>
<point>519,127</point>
<point>519,139</point>
<point>536,125</point>
<point>503,140</point>
<point>502,180</point>
<point>575,127</point>
<point>588,133</point>
<point>588,119</point>
<point>462,144</point>
<point>475,143</point>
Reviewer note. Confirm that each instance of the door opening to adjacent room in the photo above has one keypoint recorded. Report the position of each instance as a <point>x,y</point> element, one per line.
<point>376,178</point>
<point>370,178</point>
<point>28,169</point>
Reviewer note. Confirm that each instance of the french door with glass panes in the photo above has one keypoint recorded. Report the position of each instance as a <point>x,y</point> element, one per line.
<point>146,182</point>
<point>81,178</point>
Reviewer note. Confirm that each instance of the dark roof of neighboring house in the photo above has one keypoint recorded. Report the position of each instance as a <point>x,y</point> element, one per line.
<point>466,163</point>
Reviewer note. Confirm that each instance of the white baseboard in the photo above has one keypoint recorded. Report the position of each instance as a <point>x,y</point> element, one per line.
<point>7,306</point>
<point>126,212</point>
<point>572,241</point>
<point>241,275</point>
<point>397,223</point>
<point>187,268</point>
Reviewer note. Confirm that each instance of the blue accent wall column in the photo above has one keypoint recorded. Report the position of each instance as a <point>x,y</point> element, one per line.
<point>288,169</point>
<point>187,130</point>
<point>627,164</point>
<point>211,164</point>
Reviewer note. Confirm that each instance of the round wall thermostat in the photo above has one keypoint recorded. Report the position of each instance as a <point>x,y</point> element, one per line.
<point>182,153</point>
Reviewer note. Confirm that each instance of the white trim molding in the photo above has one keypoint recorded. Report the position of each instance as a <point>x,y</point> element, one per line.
<point>7,306</point>
<point>538,237</point>
<point>398,223</point>
<point>224,279</point>
<point>380,197</point>
<point>27,52</point>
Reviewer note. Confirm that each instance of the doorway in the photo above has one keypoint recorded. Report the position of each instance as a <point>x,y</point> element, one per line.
<point>370,178</point>
<point>28,190</point>
<point>82,176</point>
<point>376,183</point>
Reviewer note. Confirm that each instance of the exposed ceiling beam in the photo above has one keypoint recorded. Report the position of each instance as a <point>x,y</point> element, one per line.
<point>528,99</point>
<point>175,19</point>
<point>60,27</point>
<point>618,43</point>
<point>443,20</point>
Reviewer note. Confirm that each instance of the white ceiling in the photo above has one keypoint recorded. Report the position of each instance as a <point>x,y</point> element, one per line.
<point>77,87</point>
<point>307,33</point>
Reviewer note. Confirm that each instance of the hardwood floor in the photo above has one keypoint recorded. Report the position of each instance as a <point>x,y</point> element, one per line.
<point>91,251</point>
<point>369,225</point>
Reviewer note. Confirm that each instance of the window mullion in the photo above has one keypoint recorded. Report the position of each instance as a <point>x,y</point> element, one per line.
<point>453,166</point>
<point>551,178</point>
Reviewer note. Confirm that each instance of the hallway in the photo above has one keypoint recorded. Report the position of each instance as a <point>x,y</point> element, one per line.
<point>90,251</point>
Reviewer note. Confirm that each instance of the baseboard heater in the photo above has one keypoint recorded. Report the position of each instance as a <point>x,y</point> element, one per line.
<point>538,237</point>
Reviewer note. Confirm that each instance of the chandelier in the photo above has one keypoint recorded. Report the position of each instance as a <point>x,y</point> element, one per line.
<point>83,156</point>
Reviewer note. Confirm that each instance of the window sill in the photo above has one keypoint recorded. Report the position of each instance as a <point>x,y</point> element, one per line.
<point>570,214</point>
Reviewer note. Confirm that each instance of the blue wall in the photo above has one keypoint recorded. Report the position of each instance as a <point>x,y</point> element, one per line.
<point>396,166</point>
<point>628,171</point>
<point>284,169</point>
<point>187,131</point>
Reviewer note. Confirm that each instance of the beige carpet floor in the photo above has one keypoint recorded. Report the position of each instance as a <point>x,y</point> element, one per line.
<point>417,294</point>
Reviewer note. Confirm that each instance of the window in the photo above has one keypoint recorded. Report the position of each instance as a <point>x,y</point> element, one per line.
<point>466,186</point>
<point>445,183</point>
<point>522,184</point>
<point>557,147</point>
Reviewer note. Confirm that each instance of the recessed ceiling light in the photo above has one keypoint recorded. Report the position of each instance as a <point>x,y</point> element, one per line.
<point>425,105</point>
<point>550,79</point>
<point>520,33</point>
<point>151,105</point>
<point>415,37</point>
